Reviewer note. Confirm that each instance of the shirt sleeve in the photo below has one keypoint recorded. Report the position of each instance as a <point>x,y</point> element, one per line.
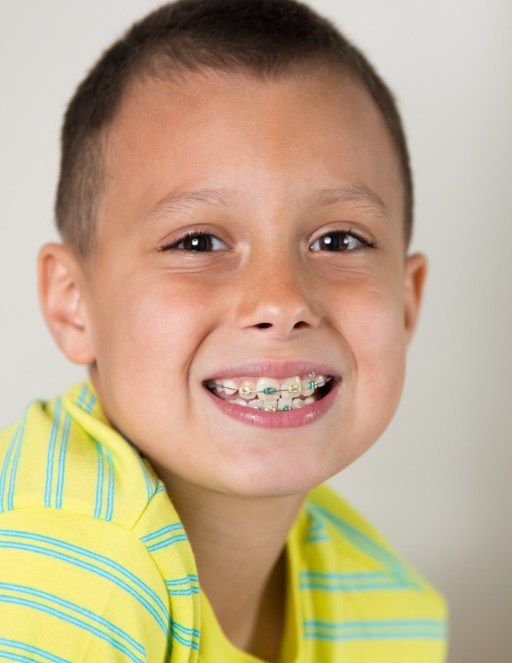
<point>75,588</point>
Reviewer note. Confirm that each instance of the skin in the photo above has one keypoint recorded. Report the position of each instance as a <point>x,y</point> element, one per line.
<point>153,324</point>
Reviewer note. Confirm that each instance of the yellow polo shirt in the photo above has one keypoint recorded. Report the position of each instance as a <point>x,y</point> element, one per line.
<point>95,564</point>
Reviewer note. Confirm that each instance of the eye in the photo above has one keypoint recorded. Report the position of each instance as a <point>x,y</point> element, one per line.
<point>340,240</point>
<point>196,242</point>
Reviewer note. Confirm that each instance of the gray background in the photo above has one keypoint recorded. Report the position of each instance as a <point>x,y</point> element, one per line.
<point>438,483</point>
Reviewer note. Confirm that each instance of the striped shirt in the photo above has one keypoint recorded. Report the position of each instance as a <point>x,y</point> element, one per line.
<point>95,564</point>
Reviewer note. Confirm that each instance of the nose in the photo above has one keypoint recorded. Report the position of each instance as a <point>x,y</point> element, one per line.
<point>277,298</point>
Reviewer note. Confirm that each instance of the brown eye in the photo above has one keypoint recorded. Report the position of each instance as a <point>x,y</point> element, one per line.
<point>338,241</point>
<point>197,243</point>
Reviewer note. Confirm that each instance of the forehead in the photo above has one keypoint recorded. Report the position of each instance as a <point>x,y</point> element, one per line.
<point>257,139</point>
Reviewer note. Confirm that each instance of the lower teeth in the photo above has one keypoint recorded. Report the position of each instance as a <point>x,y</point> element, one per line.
<point>279,405</point>
<point>270,398</point>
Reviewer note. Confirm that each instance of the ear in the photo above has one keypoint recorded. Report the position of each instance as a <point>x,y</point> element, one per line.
<point>61,283</point>
<point>414,281</point>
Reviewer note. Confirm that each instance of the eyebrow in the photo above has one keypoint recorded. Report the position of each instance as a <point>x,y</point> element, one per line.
<point>362,195</point>
<point>181,201</point>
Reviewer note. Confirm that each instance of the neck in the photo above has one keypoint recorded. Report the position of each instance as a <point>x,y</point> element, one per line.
<point>239,547</point>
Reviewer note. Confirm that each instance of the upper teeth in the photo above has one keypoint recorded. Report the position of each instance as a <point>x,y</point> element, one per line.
<point>269,389</point>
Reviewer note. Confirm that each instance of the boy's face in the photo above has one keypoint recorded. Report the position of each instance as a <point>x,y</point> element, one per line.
<point>299,267</point>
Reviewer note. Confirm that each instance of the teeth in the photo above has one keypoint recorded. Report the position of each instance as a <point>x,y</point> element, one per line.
<point>274,405</point>
<point>284,403</point>
<point>248,390</point>
<point>228,386</point>
<point>291,386</point>
<point>307,386</point>
<point>238,401</point>
<point>267,389</point>
<point>270,394</point>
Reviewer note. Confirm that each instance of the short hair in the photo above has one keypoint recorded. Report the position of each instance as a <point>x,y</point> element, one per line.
<point>265,38</point>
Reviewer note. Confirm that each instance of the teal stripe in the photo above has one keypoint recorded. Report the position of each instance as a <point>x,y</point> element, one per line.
<point>183,586</point>
<point>186,643</point>
<point>316,530</point>
<point>14,469</point>
<point>161,489</point>
<point>34,605</point>
<point>96,557</point>
<point>377,623</point>
<point>182,581</point>
<point>187,631</point>
<point>7,460</point>
<point>104,457</point>
<point>183,592</point>
<point>101,621</point>
<point>314,523</point>
<point>192,633</point>
<point>86,399</point>
<point>14,644</point>
<point>150,487</point>
<point>62,461</point>
<point>161,532</point>
<point>353,587</point>
<point>407,635</point>
<point>376,630</point>
<point>90,404</point>
<point>317,539</point>
<point>367,545</point>
<point>167,542</point>
<point>10,656</point>
<point>104,574</point>
<point>110,492</point>
<point>51,454</point>
<point>356,575</point>
<point>7,501</point>
<point>83,394</point>
<point>99,485</point>
<point>362,581</point>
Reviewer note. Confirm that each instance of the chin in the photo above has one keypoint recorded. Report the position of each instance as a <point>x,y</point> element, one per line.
<point>276,479</point>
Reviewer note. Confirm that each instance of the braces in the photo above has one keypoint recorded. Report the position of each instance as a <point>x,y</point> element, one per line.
<point>270,391</point>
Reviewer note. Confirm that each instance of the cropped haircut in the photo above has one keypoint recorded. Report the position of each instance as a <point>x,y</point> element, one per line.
<point>264,38</point>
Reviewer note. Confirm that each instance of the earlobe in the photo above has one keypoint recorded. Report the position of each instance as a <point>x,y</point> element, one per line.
<point>415,275</point>
<point>62,302</point>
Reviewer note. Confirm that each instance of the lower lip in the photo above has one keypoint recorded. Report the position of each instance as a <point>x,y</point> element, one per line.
<point>286,419</point>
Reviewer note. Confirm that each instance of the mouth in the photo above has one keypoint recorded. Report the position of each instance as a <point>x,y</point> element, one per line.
<point>267,394</point>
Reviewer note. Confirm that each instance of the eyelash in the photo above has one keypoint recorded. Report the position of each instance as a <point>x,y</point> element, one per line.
<point>174,246</point>
<point>346,236</point>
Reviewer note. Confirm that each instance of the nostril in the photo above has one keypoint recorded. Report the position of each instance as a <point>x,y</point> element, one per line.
<point>264,325</point>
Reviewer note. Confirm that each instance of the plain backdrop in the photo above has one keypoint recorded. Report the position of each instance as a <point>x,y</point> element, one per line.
<point>438,483</point>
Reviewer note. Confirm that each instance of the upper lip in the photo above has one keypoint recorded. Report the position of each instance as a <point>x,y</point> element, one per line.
<point>274,369</point>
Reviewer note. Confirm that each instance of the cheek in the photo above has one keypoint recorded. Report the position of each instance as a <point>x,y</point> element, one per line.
<point>146,336</point>
<point>154,329</point>
<point>374,330</point>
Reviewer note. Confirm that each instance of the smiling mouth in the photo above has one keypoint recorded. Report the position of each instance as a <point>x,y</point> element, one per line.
<point>271,395</point>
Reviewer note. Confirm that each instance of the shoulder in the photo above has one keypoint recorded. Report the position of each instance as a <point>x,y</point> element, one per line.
<point>73,489</point>
<point>343,540</point>
<point>326,506</point>
<point>92,580</point>
<point>88,536</point>
<point>359,599</point>
<point>62,454</point>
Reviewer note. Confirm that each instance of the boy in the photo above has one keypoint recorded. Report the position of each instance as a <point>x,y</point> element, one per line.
<point>235,203</point>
